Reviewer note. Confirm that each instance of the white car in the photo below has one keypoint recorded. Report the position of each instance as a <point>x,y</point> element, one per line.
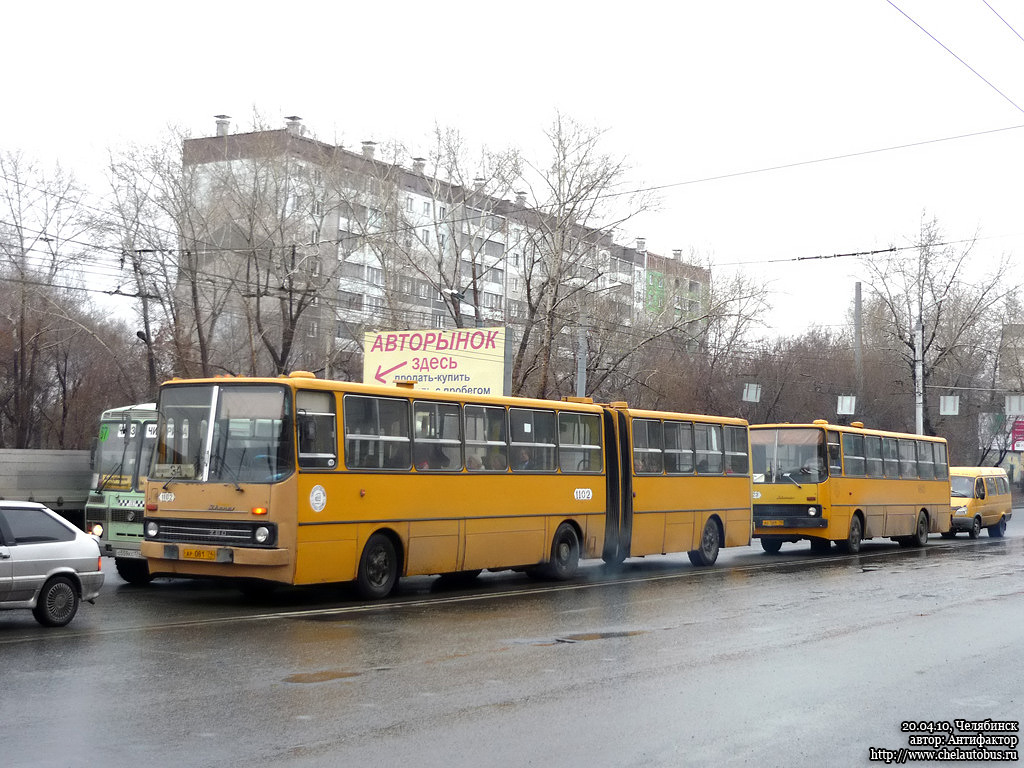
<point>46,563</point>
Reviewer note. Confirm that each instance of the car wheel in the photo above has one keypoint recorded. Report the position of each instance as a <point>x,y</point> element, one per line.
<point>997,530</point>
<point>975,531</point>
<point>58,602</point>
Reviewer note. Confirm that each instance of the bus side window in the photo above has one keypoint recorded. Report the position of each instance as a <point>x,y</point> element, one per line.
<point>925,460</point>
<point>908,459</point>
<point>486,437</point>
<point>376,432</point>
<point>737,462</point>
<point>941,464</point>
<point>853,455</point>
<point>533,439</point>
<point>437,434</point>
<point>708,441</point>
<point>891,456</point>
<point>317,431</point>
<point>579,442</point>
<point>678,447</point>
<point>835,456</point>
<point>873,456</point>
<point>979,488</point>
<point>647,447</point>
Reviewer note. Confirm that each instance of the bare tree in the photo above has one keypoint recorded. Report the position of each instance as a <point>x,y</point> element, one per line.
<point>41,228</point>
<point>222,245</point>
<point>933,310</point>
<point>577,197</point>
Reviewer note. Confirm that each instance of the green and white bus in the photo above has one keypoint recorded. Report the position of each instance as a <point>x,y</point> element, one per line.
<point>113,511</point>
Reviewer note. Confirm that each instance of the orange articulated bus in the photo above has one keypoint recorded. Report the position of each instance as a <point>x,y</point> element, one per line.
<point>823,482</point>
<point>298,480</point>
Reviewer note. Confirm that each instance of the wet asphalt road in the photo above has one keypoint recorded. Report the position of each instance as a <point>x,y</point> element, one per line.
<point>797,659</point>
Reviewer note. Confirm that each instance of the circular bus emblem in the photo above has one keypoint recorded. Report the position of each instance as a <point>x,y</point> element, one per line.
<point>318,498</point>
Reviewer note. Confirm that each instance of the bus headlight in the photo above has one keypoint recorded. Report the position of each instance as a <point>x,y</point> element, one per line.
<point>261,534</point>
<point>152,529</point>
<point>96,530</point>
<point>812,511</point>
<point>961,510</point>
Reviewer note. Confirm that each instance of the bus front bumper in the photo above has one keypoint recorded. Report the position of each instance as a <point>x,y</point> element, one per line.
<point>776,524</point>
<point>157,550</point>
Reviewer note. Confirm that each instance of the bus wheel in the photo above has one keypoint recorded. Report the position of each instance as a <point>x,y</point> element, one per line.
<point>378,568</point>
<point>997,530</point>
<point>707,552</point>
<point>851,545</point>
<point>565,553</point>
<point>133,571</point>
<point>975,531</point>
<point>920,537</point>
<point>821,546</point>
<point>771,546</point>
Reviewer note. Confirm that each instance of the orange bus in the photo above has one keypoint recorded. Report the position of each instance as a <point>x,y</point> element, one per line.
<point>298,480</point>
<point>825,483</point>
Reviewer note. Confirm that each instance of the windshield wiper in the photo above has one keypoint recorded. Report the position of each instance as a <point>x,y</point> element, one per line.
<point>791,479</point>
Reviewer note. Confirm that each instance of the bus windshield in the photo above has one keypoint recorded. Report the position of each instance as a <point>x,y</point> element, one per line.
<point>795,456</point>
<point>123,452</point>
<point>224,433</point>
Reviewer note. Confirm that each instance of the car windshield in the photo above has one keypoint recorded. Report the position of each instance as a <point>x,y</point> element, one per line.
<point>224,433</point>
<point>789,456</point>
<point>961,486</point>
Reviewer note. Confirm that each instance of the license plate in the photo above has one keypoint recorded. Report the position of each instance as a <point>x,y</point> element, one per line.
<point>131,554</point>
<point>769,523</point>
<point>193,553</point>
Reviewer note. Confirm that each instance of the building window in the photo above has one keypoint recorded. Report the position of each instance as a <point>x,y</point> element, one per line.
<point>425,235</point>
<point>439,321</point>
<point>314,329</point>
<point>375,276</point>
<point>314,235</point>
<point>442,212</point>
<point>408,203</point>
<point>426,208</point>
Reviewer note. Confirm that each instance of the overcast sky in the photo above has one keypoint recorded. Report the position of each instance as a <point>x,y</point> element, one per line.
<point>688,92</point>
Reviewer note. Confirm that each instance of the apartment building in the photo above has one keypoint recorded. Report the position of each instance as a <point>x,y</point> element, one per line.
<point>310,244</point>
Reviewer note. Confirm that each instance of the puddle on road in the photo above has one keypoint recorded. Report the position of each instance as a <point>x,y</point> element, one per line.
<point>323,676</point>
<point>583,637</point>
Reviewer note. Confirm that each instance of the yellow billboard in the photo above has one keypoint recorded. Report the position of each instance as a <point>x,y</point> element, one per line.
<point>462,360</point>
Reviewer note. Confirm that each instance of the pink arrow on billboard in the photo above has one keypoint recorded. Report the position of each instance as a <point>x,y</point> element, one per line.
<point>381,374</point>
